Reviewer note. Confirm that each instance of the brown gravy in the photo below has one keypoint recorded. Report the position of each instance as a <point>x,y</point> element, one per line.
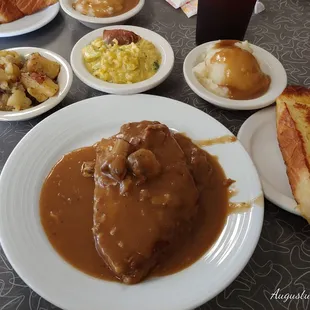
<point>219,140</point>
<point>107,8</point>
<point>67,213</point>
<point>66,209</point>
<point>243,75</point>
<point>239,207</point>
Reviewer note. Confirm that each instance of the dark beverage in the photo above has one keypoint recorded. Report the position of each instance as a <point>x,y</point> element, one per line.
<point>223,19</point>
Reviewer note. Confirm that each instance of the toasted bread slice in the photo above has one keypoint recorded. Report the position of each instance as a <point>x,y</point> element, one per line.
<point>293,131</point>
<point>50,2</point>
<point>29,7</point>
<point>9,11</point>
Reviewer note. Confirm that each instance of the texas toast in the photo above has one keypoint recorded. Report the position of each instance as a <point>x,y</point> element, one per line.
<point>293,132</point>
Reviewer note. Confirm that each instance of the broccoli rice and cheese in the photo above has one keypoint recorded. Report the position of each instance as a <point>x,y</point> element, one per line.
<point>121,57</point>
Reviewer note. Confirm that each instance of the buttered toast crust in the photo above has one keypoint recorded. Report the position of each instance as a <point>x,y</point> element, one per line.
<point>29,7</point>
<point>295,93</point>
<point>293,132</point>
<point>11,10</point>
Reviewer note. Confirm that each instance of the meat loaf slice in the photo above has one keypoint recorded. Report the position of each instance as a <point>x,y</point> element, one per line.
<point>144,196</point>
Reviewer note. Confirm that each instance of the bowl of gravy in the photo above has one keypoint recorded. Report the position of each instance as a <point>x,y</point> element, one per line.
<point>234,74</point>
<point>96,13</point>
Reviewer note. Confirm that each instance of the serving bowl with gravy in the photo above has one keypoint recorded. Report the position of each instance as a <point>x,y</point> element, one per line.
<point>234,75</point>
<point>95,14</point>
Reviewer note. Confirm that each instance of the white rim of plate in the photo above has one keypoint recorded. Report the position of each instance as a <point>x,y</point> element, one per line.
<point>85,76</point>
<point>49,103</point>
<point>269,65</point>
<point>240,233</point>
<point>245,135</point>
<point>51,13</point>
<point>67,7</point>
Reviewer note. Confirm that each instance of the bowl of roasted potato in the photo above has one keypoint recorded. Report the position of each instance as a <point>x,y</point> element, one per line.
<point>32,81</point>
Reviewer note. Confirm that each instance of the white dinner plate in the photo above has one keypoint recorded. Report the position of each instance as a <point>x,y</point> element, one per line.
<point>85,76</point>
<point>64,80</point>
<point>269,65</point>
<point>258,135</point>
<point>82,124</point>
<point>29,23</point>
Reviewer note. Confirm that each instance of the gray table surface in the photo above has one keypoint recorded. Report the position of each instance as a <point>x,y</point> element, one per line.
<point>282,257</point>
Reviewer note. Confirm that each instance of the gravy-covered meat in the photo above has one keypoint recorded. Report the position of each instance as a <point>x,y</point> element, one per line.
<point>144,164</point>
<point>88,169</point>
<point>115,163</point>
<point>144,197</point>
<point>142,216</point>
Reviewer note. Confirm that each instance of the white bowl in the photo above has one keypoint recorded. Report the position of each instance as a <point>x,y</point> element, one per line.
<point>96,22</point>
<point>64,81</point>
<point>85,76</point>
<point>269,65</point>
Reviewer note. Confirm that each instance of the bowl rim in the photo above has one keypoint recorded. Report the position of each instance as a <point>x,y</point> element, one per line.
<point>49,103</point>
<point>123,89</point>
<point>278,80</point>
<point>100,20</point>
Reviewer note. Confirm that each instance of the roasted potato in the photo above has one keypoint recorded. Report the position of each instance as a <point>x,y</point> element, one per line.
<point>18,100</point>
<point>11,56</point>
<point>40,64</point>
<point>3,101</point>
<point>39,86</point>
<point>9,72</point>
<point>12,71</point>
<point>36,93</point>
<point>3,76</point>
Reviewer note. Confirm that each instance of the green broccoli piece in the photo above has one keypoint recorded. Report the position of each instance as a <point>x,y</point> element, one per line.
<point>155,66</point>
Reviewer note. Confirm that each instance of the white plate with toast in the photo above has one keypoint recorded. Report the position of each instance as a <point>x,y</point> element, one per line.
<point>28,23</point>
<point>82,124</point>
<point>258,135</point>
<point>277,139</point>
